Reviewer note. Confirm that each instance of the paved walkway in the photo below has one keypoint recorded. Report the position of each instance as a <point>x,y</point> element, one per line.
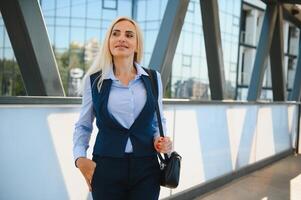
<point>279,181</point>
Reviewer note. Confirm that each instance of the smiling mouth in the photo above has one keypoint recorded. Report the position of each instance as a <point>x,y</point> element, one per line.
<point>121,47</point>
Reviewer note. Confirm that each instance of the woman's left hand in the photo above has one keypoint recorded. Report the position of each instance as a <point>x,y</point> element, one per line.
<point>163,144</point>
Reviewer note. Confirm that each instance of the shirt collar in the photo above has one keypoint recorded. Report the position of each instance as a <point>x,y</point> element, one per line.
<point>140,70</point>
<point>111,75</point>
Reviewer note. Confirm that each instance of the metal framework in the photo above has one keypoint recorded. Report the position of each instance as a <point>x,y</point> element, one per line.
<point>262,52</point>
<point>167,40</point>
<point>29,39</point>
<point>284,11</point>
<point>214,51</point>
<point>296,92</point>
<point>276,59</point>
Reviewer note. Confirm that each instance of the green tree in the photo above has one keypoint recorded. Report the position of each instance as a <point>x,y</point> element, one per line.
<point>72,57</point>
<point>11,82</point>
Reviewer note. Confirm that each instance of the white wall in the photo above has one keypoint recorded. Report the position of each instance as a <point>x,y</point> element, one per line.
<point>213,139</point>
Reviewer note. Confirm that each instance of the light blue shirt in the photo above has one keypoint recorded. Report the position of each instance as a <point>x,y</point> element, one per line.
<point>124,103</point>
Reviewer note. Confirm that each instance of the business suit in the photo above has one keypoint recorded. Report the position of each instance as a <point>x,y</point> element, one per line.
<point>119,175</point>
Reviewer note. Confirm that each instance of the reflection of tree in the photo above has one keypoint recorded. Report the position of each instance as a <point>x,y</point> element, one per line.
<point>70,58</point>
<point>11,83</point>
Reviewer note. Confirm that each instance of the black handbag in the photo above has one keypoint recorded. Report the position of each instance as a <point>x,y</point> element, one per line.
<point>170,170</point>
<point>170,165</point>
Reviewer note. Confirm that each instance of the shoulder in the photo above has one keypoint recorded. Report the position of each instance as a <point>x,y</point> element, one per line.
<point>151,71</point>
<point>95,75</point>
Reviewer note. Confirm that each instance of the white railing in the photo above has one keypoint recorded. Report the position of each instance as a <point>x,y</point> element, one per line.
<point>213,139</point>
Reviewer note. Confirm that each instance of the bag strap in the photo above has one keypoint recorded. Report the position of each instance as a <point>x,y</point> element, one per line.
<point>154,82</point>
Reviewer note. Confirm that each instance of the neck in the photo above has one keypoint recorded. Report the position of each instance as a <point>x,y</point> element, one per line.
<point>123,67</point>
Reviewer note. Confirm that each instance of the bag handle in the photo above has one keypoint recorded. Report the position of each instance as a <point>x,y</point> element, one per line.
<point>151,74</point>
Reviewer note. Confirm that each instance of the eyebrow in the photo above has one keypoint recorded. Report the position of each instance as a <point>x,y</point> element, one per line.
<point>117,30</point>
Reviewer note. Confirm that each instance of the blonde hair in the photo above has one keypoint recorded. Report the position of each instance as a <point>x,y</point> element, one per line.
<point>104,59</point>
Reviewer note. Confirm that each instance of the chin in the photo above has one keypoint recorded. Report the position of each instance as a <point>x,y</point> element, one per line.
<point>123,55</point>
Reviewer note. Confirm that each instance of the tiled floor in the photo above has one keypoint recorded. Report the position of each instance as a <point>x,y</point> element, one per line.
<point>279,181</point>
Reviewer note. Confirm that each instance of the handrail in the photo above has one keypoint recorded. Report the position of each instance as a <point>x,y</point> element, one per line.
<point>34,100</point>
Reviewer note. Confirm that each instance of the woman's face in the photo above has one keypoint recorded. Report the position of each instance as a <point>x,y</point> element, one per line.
<point>123,40</point>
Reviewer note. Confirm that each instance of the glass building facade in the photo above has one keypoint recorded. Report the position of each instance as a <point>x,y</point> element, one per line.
<point>76,29</point>
<point>251,22</point>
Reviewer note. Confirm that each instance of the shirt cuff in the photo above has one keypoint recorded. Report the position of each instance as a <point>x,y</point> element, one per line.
<point>79,152</point>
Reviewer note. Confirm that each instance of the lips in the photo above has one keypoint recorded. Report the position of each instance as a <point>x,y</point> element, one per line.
<point>121,46</point>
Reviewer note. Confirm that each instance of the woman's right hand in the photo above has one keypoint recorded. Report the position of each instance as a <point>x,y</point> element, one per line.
<point>163,144</point>
<point>87,168</point>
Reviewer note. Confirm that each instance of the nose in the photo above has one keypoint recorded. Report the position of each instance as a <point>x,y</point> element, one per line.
<point>121,38</point>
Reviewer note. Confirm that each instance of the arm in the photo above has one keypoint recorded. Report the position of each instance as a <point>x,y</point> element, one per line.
<point>162,145</point>
<point>160,102</point>
<point>82,135</point>
<point>84,125</point>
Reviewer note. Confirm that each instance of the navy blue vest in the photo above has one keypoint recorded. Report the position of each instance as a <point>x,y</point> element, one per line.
<point>112,136</point>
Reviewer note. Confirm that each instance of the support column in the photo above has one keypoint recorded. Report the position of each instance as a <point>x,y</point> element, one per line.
<point>168,36</point>
<point>213,45</point>
<point>262,52</point>
<point>276,59</point>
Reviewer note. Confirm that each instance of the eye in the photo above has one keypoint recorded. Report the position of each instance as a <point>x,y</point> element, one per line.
<point>116,33</point>
<point>129,35</point>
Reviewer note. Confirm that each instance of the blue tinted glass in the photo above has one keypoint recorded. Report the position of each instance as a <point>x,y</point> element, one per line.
<point>63,8</point>
<point>62,37</point>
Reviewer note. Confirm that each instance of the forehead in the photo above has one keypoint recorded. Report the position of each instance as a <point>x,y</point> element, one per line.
<point>124,26</point>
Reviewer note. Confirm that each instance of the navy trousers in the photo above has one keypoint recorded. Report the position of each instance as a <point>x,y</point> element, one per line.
<point>126,178</point>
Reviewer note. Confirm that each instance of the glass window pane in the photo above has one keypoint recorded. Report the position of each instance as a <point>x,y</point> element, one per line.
<point>49,21</point>
<point>63,8</point>
<point>94,10</point>
<point>141,10</point>
<point>109,14</point>
<point>93,33</point>
<point>78,8</point>
<point>6,40</point>
<point>153,25</point>
<point>109,4</point>
<point>11,83</point>
<point>186,59</point>
<point>9,54</point>
<point>191,6</point>
<point>62,21</point>
<point>152,11</point>
<point>150,38</point>
<point>48,7</point>
<point>2,32</point>
<point>77,22</point>
<point>92,23</point>
<point>125,8</point>
<point>62,37</point>
<point>77,35</point>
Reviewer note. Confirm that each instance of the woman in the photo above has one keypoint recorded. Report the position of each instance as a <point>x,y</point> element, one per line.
<point>117,93</point>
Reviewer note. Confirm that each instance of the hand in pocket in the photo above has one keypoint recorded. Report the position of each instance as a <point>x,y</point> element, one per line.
<point>87,168</point>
